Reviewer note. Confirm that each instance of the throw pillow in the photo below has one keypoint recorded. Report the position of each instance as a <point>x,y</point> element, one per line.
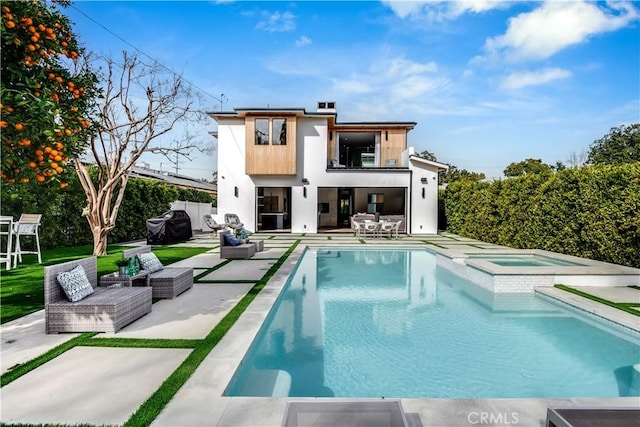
<point>149,261</point>
<point>231,239</point>
<point>75,284</point>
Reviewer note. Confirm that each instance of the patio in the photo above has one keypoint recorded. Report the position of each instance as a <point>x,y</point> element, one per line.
<point>124,383</point>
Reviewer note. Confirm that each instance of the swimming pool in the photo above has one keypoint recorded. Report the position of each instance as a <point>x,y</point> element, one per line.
<point>393,323</point>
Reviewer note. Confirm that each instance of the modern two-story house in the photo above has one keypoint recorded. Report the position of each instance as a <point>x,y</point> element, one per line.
<point>290,170</point>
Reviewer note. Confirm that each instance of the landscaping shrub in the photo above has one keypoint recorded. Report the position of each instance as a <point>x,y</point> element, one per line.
<point>63,224</point>
<point>590,212</point>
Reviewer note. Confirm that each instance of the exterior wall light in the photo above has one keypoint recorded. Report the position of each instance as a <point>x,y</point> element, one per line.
<point>424,180</point>
<point>305,181</point>
<point>304,192</point>
<point>236,192</point>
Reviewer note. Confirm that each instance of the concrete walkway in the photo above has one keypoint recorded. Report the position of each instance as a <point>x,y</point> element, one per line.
<point>106,385</point>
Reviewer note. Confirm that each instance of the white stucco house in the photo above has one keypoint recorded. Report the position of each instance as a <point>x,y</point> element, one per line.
<point>290,170</point>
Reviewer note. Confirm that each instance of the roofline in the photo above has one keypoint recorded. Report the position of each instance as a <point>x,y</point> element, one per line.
<point>242,112</point>
<point>419,159</point>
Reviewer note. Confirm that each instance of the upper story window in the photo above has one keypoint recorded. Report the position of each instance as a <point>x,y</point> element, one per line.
<point>274,130</point>
<point>262,131</point>
<point>279,135</point>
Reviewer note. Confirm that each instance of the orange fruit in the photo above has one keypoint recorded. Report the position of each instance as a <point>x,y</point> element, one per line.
<point>39,178</point>
<point>67,132</point>
<point>10,24</point>
<point>47,149</point>
<point>59,169</point>
<point>63,185</point>
<point>32,165</point>
<point>19,126</point>
<point>3,124</point>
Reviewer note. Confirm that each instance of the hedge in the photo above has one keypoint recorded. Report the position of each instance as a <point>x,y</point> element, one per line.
<point>62,222</point>
<point>591,212</point>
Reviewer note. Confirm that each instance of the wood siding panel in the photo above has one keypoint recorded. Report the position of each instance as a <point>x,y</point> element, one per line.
<point>393,147</point>
<point>270,159</point>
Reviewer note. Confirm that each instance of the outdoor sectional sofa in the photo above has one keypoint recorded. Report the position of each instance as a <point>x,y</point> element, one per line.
<point>168,282</point>
<point>105,310</point>
<point>241,251</point>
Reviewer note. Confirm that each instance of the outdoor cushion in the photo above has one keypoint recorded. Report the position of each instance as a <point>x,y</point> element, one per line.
<point>75,284</point>
<point>149,261</point>
<point>231,240</point>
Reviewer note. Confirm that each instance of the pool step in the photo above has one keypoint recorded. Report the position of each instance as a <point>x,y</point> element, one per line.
<point>346,413</point>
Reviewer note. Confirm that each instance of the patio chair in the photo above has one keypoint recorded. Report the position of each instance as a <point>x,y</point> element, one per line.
<point>167,282</point>
<point>396,229</point>
<point>212,224</point>
<point>370,228</point>
<point>357,227</point>
<point>104,310</point>
<point>231,220</point>
<point>386,228</point>
<point>27,225</point>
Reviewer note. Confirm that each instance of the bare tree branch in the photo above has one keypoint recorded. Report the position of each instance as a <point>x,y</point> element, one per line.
<point>142,103</point>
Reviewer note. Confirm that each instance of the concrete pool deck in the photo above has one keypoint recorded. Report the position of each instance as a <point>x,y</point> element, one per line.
<point>105,385</point>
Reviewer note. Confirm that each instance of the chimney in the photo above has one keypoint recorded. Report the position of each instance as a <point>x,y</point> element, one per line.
<point>326,107</point>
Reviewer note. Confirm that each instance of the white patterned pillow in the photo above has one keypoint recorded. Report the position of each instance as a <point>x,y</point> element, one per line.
<point>149,261</point>
<point>75,284</point>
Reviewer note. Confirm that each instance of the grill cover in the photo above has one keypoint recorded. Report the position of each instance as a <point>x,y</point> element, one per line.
<point>170,227</point>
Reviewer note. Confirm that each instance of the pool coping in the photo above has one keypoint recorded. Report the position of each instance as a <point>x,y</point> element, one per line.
<point>228,355</point>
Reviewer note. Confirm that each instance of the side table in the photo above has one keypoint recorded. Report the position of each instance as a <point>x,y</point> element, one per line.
<point>112,279</point>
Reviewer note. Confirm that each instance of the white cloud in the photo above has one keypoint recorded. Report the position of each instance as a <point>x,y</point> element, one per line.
<point>397,80</point>
<point>277,22</point>
<point>441,10</point>
<point>554,26</point>
<point>303,41</point>
<point>534,78</point>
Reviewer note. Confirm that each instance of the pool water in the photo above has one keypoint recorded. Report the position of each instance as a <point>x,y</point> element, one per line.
<point>524,260</point>
<point>392,323</point>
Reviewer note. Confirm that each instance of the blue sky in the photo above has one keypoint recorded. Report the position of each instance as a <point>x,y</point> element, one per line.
<point>488,82</point>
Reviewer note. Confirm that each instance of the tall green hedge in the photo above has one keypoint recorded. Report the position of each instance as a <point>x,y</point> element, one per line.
<point>592,212</point>
<point>62,221</point>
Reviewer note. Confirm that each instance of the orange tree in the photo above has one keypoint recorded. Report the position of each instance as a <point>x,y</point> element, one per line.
<point>47,94</point>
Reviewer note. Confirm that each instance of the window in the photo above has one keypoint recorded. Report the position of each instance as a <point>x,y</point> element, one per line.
<point>279,136</point>
<point>262,131</point>
<point>274,130</point>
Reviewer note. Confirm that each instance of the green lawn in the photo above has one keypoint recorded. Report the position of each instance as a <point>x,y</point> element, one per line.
<point>21,289</point>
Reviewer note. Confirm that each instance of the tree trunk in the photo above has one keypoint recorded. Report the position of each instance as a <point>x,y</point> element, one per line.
<point>99,241</point>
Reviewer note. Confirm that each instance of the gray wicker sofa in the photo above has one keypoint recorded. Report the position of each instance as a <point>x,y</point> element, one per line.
<point>106,310</point>
<point>168,282</point>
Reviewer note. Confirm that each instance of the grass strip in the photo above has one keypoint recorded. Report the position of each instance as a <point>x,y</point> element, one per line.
<point>210,270</point>
<point>329,238</point>
<point>635,287</point>
<point>620,306</point>
<point>29,366</point>
<point>140,343</point>
<point>364,242</point>
<point>434,244</point>
<point>227,281</point>
<point>151,408</point>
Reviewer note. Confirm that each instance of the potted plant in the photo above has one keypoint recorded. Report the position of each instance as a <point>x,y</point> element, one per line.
<point>122,266</point>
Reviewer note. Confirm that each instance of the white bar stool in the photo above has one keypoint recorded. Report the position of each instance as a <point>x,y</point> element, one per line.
<point>6,229</point>
<point>27,225</point>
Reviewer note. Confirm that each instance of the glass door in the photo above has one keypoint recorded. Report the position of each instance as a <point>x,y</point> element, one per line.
<point>345,206</point>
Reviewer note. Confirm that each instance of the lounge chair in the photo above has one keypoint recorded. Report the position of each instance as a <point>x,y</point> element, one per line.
<point>105,310</point>
<point>212,224</point>
<point>169,282</point>
<point>232,221</point>
<point>396,229</point>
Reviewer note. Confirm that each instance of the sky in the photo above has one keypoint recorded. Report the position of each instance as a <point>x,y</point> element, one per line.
<point>488,82</point>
